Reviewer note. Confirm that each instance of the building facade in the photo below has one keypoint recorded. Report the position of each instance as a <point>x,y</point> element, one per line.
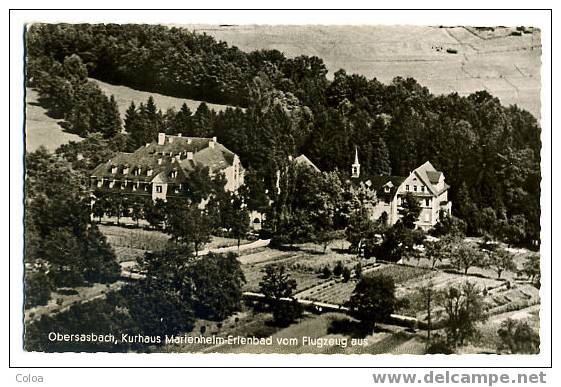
<point>425,183</point>
<point>160,169</point>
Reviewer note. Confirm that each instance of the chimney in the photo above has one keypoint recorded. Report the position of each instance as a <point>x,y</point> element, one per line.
<point>179,135</point>
<point>211,143</point>
<point>161,138</point>
<point>189,155</point>
<point>215,139</point>
<point>170,139</point>
<point>188,141</point>
<point>289,157</point>
<point>147,145</point>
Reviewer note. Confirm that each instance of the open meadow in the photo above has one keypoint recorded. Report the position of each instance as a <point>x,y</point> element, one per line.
<point>506,65</point>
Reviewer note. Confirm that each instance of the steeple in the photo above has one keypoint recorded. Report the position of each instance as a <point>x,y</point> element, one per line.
<point>356,166</point>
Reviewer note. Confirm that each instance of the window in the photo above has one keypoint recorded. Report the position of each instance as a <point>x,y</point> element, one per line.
<point>427,202</point>
<point>159,189</point>
<point>407,188</point>
<point>415,188</point>
<point>422,188</point>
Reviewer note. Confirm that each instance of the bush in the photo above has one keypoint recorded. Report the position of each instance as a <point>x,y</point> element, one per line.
<point>346,272</point>
<point>338,269</point>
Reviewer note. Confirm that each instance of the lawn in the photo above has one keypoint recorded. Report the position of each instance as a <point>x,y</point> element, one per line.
<point>40,129</point>
<point>131,243</point>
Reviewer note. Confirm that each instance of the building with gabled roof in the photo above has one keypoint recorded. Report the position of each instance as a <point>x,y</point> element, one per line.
<point>161,168</point>
<point>425,183</point>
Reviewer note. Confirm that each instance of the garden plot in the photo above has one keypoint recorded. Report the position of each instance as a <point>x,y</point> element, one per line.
<point>305,265</point>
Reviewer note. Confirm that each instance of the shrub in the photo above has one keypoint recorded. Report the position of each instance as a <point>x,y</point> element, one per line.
<point>338,269</point>
<point>346,272</point>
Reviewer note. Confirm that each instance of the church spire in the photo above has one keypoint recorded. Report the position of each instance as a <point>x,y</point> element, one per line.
<point>356,166</point>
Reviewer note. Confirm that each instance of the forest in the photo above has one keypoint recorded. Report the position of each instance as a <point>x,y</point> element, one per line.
<point>489,153</point>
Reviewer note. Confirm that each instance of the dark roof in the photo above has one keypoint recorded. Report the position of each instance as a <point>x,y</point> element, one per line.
<point>146,157</point>
<point>434,176</point>
<point>378,183</point>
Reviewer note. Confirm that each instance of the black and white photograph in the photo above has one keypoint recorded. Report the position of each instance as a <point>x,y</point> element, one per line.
<point>327,189</point>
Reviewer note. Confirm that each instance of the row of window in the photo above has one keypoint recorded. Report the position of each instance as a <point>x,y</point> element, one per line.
<point>427,201</point>
<point>415,188</point>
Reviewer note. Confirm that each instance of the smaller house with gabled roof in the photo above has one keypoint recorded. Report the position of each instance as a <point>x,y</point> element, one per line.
<point>425,183</point>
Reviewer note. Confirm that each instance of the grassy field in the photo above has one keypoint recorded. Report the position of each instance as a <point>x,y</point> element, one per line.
<point>507,66</point>
<point>131,243</point>
<point>40,129</point>
<point>125,95</point>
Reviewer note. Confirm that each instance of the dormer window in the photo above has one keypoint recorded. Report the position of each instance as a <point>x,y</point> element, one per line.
<point>111,184</point>
<point>386,189</point>
<point>173,174</point>
<point>113,169</point>
<point>100,183</point>
<point>123,185</point>
<point>149,172</point>
<point>126,170</point>
<point>160,161</point>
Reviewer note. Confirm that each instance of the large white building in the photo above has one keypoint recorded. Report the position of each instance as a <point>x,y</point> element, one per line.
<point>161,168</point>
<point>425,183</point>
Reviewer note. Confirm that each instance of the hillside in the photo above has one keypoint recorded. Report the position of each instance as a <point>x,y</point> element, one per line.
<point>506,66</point>
<point>125,95</point>
<point>44,130</point>
<point>40,129</point>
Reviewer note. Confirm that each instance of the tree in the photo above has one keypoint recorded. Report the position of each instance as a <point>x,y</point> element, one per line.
<point>346,273</point>
<point>37,288</point>
<point>531,268</point>
<point>234,216</point>
<point>399,242</point>
<point>465,308</point>
<point>442,249</point>
<point>358,271</point>
<point>373,299</point>
<point>154,212</point>
<point>410,210</point>
<point>518,337</point>
<point>137,210</point>
<point>277,286</point>
<point>465,256</point>
<point>427,297</point>
<point>100,263</point>
<point>501,260</point>
<point>217,285</point>
<point>449,225</point>
<point>188,224</point>
<point>338,269</point>
<point>360,232</point>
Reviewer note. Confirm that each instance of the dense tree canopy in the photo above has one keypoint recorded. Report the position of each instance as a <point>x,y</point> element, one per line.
<point>490,154</point>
